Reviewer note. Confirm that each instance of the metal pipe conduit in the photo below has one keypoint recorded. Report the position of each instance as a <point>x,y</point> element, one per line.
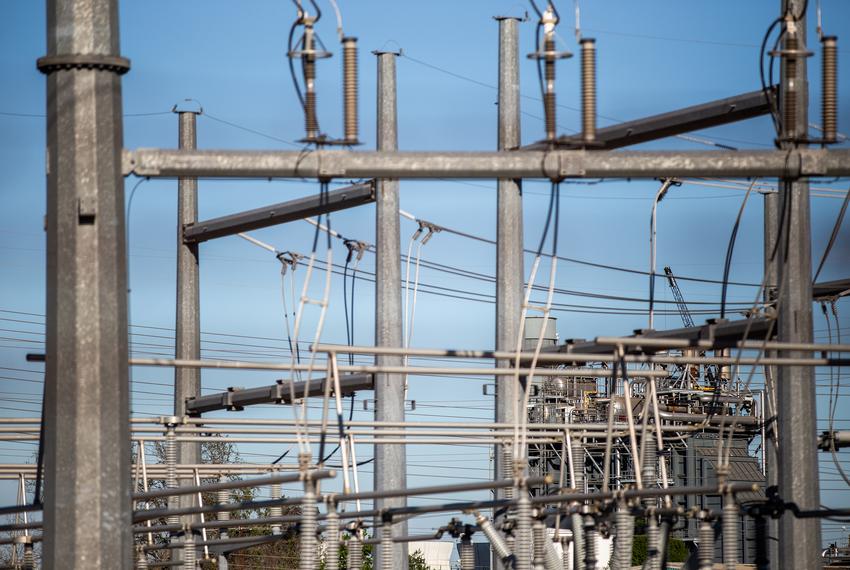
<point>551,164</point>
<point>568,357</point>
<point>241,484</point>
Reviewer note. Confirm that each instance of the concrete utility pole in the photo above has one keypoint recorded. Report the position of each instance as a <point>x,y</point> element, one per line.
<point>509,256</point>
<point>87,437</point>
<point>187,336</point>
<point>799,539</point>
<point>390,460</point>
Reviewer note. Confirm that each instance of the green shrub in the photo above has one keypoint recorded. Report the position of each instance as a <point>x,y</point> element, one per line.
<point>676,550</point>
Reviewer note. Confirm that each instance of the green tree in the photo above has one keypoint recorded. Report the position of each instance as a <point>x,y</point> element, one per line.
<point>677,551</point>
<point>416,561</point>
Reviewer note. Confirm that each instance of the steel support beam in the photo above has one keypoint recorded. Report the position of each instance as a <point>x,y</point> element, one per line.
<point>87,422</point>
<point>390,460</point>
<point>555,164</point>
<point>187,336</point>
<point>723,334</point>
<point>696,117</point>
<point>509,246</point>
<point>799,539</point>
<point>828,290</point>
<point>236,399</point>
<point>298,209</point>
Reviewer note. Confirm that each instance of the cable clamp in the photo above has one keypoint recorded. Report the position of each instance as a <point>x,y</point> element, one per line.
<point>425,226</point>
<point>355,246</point>
<point>288,259</point>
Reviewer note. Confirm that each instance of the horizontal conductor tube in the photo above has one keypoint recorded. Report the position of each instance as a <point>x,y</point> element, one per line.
<point>349,80</point>
<point>588,90</point>
<point>829,102</point>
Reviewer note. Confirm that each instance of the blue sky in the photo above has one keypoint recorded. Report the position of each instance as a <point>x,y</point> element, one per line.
<point>653,56</point>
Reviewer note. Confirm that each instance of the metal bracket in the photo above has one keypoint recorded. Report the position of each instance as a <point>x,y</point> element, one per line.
<point>50,63</point>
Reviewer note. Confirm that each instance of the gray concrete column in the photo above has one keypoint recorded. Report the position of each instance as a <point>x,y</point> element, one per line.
<point>187,336</point>
<point>87,437</point>
<point>799,539</point>
<point>509,256</point>
<point>390,460</point>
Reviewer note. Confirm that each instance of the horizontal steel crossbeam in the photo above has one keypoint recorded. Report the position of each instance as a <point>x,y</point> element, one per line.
<point>706,115</point>
<point>293,210</point>
<point>279,393</point>
<point>553,165</point>
<point>719,335</point>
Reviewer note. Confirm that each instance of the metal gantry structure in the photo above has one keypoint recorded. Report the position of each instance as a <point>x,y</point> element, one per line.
<point>588,437</point>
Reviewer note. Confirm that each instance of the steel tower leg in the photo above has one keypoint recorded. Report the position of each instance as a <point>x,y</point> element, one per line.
<point>87,436</point>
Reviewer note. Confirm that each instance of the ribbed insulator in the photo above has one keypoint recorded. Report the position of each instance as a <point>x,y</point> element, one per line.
<point>652,555</point>
<point>507,458</point>
<point>309,545</point>
<point>141,560</point>
<point>467,553</point>
<point>549,92</point>
<point>550,117</point>
<point>277,510</point>
<point>578,465</point>
<point>355,554</point>
<point>706,546</point>
<point>829,107</point>
<point>29,557</point>
<point>624,529</point>
<point>552,561</point>
<point>590,534</point>
<point>650,464</point>
<point>171,470</point>
<point>386,547</point>
<point>566,555</point>
<point>223,497</point>
<point>730,533</point>
<point>588,89</point>
<point>311,121</point>
<point>549,67</point>
<point>523,545</point>
<point>497,541</point>
<point>578,541</point>
<point>349,87</point>
<point>538,529</point>
<point>789,101</point>
<point>190,554</point>
<point>332,541</point>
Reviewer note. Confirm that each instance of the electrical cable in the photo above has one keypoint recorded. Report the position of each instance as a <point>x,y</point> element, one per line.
<point>730,248</point>
<point>248,129</point>
<point>834,235</point>
<point>834,405</point>
<point>774,112</point>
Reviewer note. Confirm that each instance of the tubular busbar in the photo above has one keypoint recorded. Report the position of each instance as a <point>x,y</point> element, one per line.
<point>553,165</point>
